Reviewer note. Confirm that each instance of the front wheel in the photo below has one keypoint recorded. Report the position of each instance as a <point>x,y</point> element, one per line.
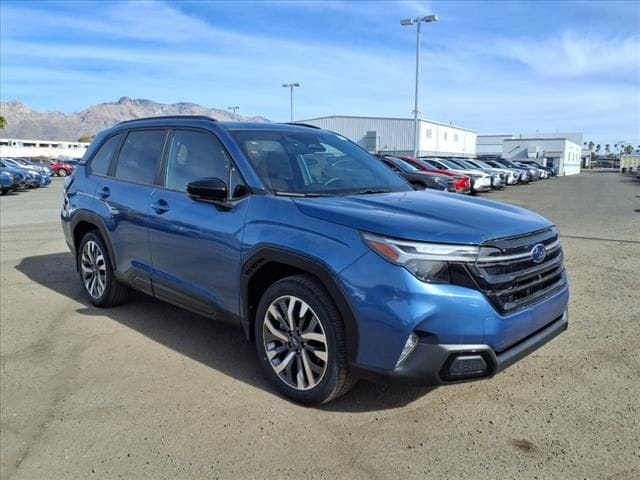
<point>62,172</point>
<point>300,341</point>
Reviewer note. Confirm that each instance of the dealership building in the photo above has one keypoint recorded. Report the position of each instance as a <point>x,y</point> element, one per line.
<point>563,151</point>
<point>20,147</point>
<point>396,135</point>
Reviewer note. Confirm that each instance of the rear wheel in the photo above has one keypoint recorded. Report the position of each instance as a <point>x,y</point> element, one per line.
<point>418,186</point>
<point>61,172</point>
<point>96,273</point>
<point>300,341</point>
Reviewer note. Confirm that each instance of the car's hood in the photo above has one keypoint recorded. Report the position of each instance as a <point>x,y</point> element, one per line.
<point>425,215</point>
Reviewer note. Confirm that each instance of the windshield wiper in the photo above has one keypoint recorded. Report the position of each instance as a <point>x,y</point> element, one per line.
<point>368,191</point>
<point>309,194</point>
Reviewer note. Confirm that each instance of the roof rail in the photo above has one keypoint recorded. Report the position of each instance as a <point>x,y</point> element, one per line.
<point>166,117</point>
<point>308,125</point>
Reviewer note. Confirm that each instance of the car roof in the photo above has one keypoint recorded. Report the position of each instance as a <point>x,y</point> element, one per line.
<point>201,120</point>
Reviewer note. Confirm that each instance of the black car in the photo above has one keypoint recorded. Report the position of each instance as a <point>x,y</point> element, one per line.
<point>418,179</point>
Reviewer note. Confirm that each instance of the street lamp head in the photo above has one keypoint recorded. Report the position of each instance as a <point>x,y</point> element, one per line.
<point>289,85</point>
<point>429,18</point>
<point>406,22</point>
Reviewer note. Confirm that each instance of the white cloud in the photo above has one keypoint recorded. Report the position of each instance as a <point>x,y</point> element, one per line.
<point>575,54</point>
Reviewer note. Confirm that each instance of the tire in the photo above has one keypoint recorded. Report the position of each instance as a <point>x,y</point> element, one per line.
<point>418,186</point>
<point>306,378</point>
<point>94,262</point>
<point>61,172</point>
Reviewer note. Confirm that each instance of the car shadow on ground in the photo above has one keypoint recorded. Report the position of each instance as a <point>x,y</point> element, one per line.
<point>216,345</point>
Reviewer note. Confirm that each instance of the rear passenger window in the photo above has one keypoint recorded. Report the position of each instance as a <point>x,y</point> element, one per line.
<point>195,155</point>
<point>102,160</point>
<point>140,156</point>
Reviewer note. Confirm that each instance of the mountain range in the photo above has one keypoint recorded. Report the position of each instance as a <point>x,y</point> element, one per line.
<point>23,122</point>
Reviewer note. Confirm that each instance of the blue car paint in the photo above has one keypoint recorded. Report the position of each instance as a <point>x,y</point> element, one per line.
<point>6,180</point>
<point>199,250</point>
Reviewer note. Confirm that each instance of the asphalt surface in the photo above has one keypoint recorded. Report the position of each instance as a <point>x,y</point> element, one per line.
<point>150,391</point>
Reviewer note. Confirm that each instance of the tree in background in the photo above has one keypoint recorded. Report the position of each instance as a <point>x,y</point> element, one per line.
<point>591,145</point>
<point>598,149</point>
<point>3,122</point>
<point>607,148</point>
<point>628,150</point>
<point>86,138</point>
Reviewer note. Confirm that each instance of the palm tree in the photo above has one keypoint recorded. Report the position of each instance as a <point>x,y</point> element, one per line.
<point>590,145</point>
<point>597,149</point>
<point>628,149</point>
<point>607,148</point>
<point>3,122</point>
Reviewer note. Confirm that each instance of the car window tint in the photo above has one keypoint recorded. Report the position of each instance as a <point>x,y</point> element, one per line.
<point>102,159</point>
<point>140,156</point>
<point>195,155</point>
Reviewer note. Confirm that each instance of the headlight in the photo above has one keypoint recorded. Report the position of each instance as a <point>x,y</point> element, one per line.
<point>428,262</point>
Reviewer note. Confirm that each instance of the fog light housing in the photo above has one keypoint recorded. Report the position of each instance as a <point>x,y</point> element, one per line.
<point>409,346</point>
<point>467,366</point>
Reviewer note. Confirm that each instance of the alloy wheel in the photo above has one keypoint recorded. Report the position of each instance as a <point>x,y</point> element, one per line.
<point>295,342</point>
<point>93,269</point>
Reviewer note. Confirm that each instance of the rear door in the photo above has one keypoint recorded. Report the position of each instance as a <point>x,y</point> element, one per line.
<point>196,246</point>
<point>125,191</point>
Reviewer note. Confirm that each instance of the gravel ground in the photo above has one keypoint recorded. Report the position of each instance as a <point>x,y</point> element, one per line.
<point>149,391</point>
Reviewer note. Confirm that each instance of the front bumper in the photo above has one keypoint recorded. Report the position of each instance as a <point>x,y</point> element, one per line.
<point>432,364</point>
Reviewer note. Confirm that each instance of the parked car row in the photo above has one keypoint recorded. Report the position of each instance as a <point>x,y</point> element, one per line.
<point>60,168</point>
<point>465,175</point>
<point>21,174</point>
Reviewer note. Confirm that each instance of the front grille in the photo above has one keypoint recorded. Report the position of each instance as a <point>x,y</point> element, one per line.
<point>509,277</point>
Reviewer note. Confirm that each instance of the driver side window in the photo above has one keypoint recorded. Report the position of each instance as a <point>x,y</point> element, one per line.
<point>195,155</point>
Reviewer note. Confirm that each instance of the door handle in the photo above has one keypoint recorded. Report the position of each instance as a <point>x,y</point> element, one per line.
<point>104,192</point>
<point>160,206</point>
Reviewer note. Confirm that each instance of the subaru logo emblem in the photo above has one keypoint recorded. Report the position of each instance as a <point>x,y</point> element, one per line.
<point>538,253</point>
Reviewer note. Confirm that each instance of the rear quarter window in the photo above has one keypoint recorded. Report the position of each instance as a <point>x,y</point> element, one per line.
<point>102,159</point>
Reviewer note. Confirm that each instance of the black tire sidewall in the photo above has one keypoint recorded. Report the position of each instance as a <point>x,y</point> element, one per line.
<point>327,385</point>
<point>102,300</point>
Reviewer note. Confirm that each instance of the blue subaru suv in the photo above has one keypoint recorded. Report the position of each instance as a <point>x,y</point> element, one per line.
<point>326,259</point>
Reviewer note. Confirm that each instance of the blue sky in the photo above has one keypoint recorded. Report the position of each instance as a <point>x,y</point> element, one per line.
<point>496,67</point>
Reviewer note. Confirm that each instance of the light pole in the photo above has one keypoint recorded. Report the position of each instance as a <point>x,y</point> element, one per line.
<point>233,109</point>
<point>405,23</point>
<point>291,86</point>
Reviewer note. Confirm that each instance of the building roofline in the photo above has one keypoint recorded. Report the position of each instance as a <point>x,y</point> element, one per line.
<point>365,117</point>
<point>540,138</point>
<point>33,140</point>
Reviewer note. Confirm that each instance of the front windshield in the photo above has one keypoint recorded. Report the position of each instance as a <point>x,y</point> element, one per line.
<point>404,165</point>
<point>482,163</point>
<point>453,165</point>
<point>429,164</point>
<point>465,163</point>
<point>315,163</point>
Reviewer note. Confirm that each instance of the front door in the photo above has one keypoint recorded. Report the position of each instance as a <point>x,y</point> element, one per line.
<point>196,246</point>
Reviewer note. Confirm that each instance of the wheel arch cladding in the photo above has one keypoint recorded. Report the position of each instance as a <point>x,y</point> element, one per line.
<point>85,222</point>
<point>268,265</point>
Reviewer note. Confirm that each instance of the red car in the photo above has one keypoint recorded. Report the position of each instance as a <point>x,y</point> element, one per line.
<point>61,169</point>
<point>463,182</point>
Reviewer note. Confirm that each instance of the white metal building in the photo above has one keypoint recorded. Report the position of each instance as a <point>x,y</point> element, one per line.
<point>560,153</point>
<point>561,150</point>
<point>15,147</point>
<point>395,135</point>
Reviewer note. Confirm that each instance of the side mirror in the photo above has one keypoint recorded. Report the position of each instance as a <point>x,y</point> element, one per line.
<point>212,190</point>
